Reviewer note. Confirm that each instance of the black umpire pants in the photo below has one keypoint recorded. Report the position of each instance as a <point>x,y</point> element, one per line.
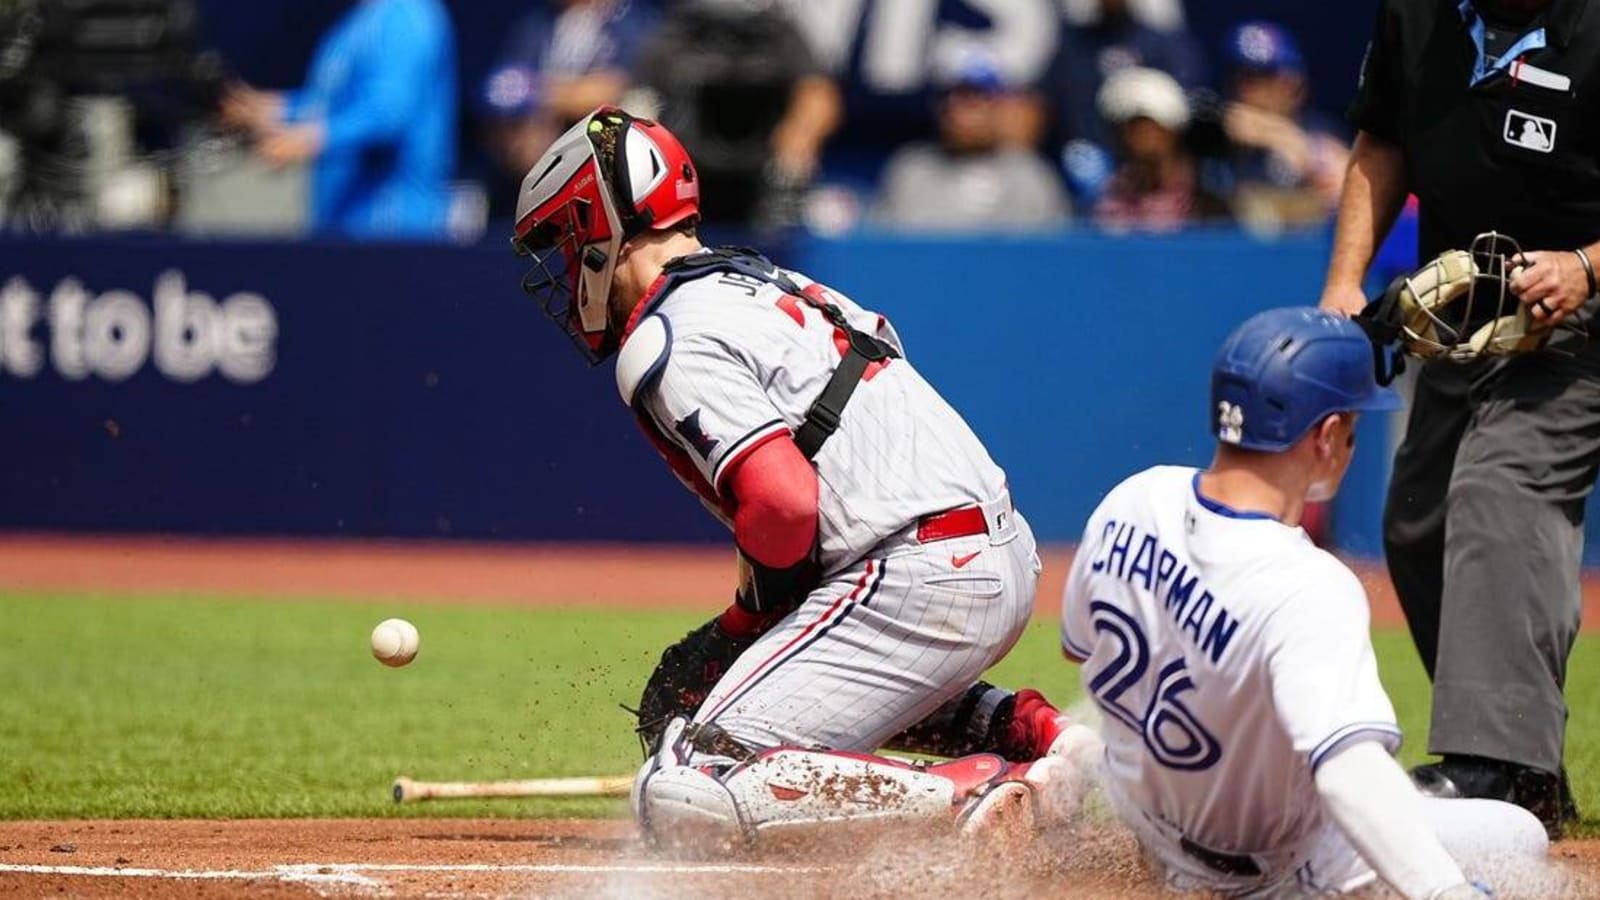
<point>1484,534</point>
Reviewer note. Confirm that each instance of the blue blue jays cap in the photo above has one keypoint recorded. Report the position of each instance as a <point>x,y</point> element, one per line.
<point>1285,370</point>
<point>1264,47</point>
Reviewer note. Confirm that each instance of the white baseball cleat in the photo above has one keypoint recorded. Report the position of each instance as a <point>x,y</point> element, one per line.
<point>1004,815</point>
<point>1049,793</point>
<point>1080,745</point>
<point>1063,777</point>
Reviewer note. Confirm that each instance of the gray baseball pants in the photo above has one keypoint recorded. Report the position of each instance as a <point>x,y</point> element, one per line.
<point>1484,534</point>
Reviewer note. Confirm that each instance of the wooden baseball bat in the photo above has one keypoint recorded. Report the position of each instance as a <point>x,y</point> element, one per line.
<point>408,791</point>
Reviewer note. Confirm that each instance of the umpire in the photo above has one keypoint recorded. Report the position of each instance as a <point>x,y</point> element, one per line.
<point>1489,112</point>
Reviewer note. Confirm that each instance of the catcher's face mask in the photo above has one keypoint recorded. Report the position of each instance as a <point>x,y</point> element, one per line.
<point>608,179</point>
<point>573,267</point>
<point>1459,306</point>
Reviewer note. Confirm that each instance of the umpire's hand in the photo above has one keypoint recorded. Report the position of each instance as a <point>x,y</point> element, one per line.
<point>1344,300</point>
<point>1553,283</point>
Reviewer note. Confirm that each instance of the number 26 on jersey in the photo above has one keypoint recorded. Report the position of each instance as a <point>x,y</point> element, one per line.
<point>1169,729</point>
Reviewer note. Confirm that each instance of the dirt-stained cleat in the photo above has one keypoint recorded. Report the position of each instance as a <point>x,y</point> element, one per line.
<point>1006,814</point>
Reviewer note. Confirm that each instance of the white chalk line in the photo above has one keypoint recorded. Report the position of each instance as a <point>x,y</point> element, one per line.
<point>350,873</point>
<point>584,868</point>
<point>306,874</point>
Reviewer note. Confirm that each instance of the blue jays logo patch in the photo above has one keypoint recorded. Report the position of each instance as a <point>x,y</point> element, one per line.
<point>689,429</point>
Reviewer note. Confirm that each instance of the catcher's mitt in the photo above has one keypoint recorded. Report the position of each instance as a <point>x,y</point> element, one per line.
<point>1459,306</point>
<point>684,676</point>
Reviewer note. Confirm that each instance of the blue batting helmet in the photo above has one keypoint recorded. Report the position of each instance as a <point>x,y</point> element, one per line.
<point>1285,370</point>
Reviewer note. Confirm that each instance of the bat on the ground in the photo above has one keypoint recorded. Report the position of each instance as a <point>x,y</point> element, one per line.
<point>409,791</point>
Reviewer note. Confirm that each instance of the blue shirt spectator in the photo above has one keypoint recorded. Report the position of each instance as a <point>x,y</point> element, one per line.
<point>375,118</point>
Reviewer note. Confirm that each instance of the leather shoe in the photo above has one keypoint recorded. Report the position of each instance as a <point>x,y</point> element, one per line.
<point>1548,796</point>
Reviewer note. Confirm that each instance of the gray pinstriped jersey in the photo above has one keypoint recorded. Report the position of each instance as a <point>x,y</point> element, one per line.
<point>727,361</point>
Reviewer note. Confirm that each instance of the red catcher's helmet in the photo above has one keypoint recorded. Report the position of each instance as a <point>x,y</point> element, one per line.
<point>610,178</point>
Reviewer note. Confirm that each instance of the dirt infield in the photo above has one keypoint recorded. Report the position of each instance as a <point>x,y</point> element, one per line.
<point>473,858</point>
<point>440,858</point>
<point>686,577</point>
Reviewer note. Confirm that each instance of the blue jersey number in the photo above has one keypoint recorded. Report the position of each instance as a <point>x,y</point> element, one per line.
<point>1175,738</point>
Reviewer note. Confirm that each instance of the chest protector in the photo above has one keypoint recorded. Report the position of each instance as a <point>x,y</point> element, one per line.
<point>862,349</point>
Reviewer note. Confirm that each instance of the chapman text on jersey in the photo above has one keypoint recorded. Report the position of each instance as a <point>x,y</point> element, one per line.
<point>1154,568</point>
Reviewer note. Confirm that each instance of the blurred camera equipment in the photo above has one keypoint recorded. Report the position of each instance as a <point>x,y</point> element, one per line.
<point>84,84</point>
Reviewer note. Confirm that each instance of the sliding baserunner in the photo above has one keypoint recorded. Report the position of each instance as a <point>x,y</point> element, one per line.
<point>1247,737</point>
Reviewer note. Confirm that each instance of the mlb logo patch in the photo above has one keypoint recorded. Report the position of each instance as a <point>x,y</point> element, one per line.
<point>1529,132</point>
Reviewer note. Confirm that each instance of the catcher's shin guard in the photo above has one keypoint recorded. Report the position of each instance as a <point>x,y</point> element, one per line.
<point>697,803</point>
<point>682,805</point>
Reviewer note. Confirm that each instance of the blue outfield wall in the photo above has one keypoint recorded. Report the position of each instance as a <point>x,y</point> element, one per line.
<point>412,391</point>
<point>1082,359</point>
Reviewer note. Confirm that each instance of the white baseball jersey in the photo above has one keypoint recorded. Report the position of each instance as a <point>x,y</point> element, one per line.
<point>725,362</point>
<point>1231,657</point>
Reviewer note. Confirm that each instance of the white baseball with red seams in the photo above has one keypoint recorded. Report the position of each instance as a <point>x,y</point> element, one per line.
<point>395,642</point>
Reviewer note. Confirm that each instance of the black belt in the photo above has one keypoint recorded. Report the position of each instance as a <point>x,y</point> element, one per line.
<point>1226,863</point>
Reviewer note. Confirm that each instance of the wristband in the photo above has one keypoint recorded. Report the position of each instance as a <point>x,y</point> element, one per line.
<point>771,589</point>
<point>741,624</point>
<point>1588,269</point>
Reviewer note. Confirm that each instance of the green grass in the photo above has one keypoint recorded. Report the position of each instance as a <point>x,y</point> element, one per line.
<point>213,707</point>
<point>179,707</point>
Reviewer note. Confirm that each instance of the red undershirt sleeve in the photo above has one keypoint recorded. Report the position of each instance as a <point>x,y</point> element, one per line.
<point>774,498</point>
<point>774,490</point>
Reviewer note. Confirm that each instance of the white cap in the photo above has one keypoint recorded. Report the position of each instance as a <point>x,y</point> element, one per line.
<point>1135,93</point>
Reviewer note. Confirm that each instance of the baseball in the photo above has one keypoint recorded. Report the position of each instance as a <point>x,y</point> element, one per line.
<point>394,642</point>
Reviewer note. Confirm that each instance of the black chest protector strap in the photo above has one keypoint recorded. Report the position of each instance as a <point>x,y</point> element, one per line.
<point>862,350</point>
<point>823,418</point>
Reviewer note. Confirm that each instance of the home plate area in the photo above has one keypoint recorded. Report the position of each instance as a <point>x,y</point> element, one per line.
<point>515,858</point>
<point>558,858</point>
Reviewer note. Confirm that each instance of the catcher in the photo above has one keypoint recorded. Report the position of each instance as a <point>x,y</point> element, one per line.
<point>883,567</point>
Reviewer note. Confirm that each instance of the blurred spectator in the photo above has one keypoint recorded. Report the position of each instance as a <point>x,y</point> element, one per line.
<point>1163,15</point>
<point>564,58</point>
<point>375,119</point>
<point>971,180</point>
<point>1101,38</point>
<point>1289,162</point>
<point>736,81</point>
<point>1156,185</point>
